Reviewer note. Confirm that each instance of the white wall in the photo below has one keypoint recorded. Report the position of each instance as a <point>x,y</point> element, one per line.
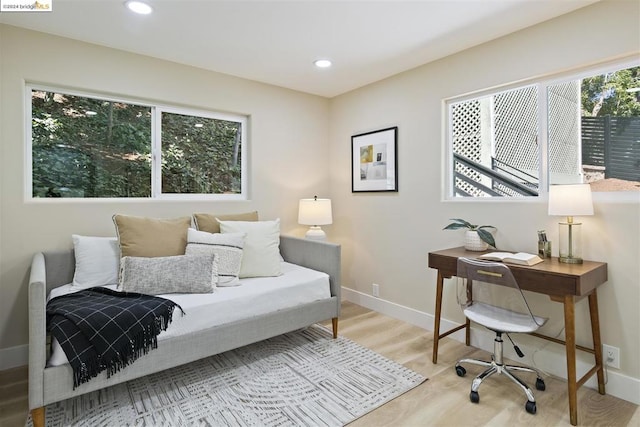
<point>386,236</point>
<point>288,153</point>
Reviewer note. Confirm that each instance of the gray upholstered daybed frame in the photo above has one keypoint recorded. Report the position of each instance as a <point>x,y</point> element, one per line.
<point>53,269</point>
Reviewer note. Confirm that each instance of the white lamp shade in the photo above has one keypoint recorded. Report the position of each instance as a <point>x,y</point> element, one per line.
<point>570,200</point>
<point>315,212</point>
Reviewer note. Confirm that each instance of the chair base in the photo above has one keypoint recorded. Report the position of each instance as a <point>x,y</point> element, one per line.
<point>495,366</point>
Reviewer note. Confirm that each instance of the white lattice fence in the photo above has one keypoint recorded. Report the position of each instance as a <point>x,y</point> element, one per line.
<point>466,136</point>
<point>516,128</point>
<point>564,128</point>
<point>504,126</point>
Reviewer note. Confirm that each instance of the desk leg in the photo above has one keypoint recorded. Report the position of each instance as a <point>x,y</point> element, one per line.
<point>436,320</point>
<point>467,322</point>
<point>467,332</point>
<point>570,346</point>
<point>597,343</point>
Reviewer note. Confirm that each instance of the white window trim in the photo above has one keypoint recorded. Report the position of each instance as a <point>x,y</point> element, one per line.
<point>156,153</point>
<point>543,83</point>
<point>156,149</point>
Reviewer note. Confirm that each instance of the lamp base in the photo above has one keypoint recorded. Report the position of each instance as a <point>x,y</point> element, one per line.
<point>569,260</point>
<point>570,248</point>
<point>316,233</point>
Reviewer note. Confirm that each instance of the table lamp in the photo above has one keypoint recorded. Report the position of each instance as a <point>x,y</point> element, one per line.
<point>570,200</point>
<point>315,212</point>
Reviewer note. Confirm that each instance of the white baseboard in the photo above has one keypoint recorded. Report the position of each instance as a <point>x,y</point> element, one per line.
<point>554,363</point>
<point>13,357</point>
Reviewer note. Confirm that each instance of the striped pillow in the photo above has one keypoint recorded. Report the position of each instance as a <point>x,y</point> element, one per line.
<point>228,249</point>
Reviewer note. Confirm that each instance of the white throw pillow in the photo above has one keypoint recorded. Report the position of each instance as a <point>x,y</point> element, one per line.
<point>179,274</point>
<point>228,249</point>
<point>261,255</point>
<point>97,261</point>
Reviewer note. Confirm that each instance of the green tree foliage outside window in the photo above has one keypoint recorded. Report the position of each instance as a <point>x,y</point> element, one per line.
<point>190,145</point>
<point>615,94</point>
<point>84,147</point>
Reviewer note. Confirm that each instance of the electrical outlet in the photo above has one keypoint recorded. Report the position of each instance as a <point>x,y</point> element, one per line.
<point>611,356</point>
<point>375,290</point>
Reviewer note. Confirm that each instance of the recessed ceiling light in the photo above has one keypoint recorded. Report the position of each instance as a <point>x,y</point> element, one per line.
<point>322,63</point>
<point>138,7</point>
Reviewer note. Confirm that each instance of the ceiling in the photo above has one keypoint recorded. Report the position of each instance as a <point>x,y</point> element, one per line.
<point>276,42</point>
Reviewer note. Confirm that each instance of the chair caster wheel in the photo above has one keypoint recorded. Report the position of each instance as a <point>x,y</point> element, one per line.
<point>475,398</point>
<point>461,371</point>
<point>540,384</point>
<point>530,407</point>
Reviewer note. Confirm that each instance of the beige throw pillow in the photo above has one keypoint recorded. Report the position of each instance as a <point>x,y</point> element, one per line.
<point>207,222</point>
<point>151,237</point>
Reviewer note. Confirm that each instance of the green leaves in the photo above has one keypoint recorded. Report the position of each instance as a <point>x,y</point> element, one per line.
<point>485,235</point>
<point>459,223</point>
<point>608,94</point>
<point>88,147</point>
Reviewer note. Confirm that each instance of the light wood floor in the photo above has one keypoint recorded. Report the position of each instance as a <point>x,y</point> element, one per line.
<point>443,400</point>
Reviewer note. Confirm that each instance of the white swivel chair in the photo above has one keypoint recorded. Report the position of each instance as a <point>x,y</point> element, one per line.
<point>498,319</point>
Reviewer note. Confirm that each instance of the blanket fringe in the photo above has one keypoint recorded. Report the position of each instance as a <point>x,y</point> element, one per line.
<point>138,345</point>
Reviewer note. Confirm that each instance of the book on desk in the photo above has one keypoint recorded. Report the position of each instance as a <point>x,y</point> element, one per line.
<point>519,258</point>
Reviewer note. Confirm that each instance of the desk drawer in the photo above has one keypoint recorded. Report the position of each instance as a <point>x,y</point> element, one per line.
<point>549,277</point>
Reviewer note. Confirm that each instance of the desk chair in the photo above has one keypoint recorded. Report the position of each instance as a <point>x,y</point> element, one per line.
<point>498,319</point>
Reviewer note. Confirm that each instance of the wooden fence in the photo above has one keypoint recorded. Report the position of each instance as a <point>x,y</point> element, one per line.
<point>612,142</point>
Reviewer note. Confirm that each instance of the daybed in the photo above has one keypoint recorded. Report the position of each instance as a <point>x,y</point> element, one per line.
<point>53,269</point>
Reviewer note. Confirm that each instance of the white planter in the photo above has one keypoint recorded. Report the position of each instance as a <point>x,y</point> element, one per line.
<point>473,242</point>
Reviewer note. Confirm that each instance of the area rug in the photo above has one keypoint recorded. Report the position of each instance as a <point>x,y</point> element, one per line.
<point>304,378</point>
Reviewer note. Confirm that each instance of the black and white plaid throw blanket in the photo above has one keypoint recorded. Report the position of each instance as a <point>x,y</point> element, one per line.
<point>100,329</point>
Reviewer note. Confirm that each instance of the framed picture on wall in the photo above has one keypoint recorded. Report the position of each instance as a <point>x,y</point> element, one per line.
<point>374,161</point>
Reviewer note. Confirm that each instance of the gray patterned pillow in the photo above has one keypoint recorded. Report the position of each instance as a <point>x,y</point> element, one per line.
<point>228,249</point>
<point>181,274</point>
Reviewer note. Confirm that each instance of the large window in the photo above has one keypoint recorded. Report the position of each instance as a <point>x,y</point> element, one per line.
<point>85,146</point>
<point>577,129</point>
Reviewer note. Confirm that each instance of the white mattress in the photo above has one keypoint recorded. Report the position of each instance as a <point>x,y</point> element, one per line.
<point>255,296</point>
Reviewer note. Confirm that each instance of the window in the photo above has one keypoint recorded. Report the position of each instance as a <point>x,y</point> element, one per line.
<point>191,145</point>
<point>84,146</point>
<point>494,140</point>
<point>583,128</point>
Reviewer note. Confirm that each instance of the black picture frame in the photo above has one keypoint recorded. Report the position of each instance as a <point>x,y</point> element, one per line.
<point>374,161</point>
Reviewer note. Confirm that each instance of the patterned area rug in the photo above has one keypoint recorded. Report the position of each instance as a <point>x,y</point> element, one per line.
<point>304,378</point>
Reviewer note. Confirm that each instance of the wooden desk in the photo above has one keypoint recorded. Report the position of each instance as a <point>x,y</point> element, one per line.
<point>563,283</point>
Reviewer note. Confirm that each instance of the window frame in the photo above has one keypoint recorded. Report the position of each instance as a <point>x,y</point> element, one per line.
<point>155,148</point>
<point>542,84</point>
<point>156,153</point>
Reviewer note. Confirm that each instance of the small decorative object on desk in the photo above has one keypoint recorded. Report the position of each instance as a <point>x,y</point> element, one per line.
<point>477,237</point>
<point>544,249</point>
<point>544,246</point>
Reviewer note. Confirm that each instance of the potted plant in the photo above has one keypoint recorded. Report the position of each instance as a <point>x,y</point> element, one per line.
<point>477,237</point>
